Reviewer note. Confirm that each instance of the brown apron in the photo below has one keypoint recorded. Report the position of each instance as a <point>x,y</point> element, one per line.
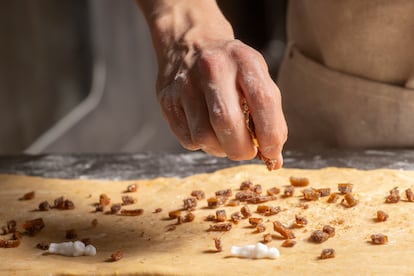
<point>325,108</point>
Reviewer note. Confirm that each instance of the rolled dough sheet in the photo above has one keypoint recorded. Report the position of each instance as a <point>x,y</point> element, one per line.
<point>149,249</point>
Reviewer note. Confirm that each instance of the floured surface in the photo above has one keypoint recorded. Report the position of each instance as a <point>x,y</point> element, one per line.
<point>189,250</point>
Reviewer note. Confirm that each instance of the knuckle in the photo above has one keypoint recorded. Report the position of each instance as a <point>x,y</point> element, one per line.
<point>211,63</point>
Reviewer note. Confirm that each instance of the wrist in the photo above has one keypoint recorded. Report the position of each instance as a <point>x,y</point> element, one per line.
<point>182,25</point>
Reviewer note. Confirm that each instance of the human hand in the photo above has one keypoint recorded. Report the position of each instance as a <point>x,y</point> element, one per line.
<point>205,76</point>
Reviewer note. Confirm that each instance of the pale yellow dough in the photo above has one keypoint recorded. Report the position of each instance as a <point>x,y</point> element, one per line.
<point>189,250</point>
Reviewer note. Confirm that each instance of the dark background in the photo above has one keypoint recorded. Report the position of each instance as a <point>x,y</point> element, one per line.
<point>79,76</point>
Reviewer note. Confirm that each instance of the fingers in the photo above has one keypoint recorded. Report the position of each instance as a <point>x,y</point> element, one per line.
<point>203,106</point>
<point>174,114</point>
<point>264,101</point>
<point>223,103</point>
<point>199,127</point>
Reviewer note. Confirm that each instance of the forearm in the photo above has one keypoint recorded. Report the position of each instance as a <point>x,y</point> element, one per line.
<point>184,23</point>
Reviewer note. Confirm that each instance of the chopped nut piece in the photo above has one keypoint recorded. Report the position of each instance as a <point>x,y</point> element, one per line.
<point>243,196</point>
<point>394,196</point>
<point>310,194</point>
<point>174,214</point>
<point>323,191</point>
<point>381,216</point>
<point>349,201</point>
<point>261,209</point>
<point>115,208</point>
<point>11,243</point>
<point>217,244</point>
<point>260,228</point>
<point>345,188</point>
<point>318,236</point>
<point>28,196</point>
<point>226,193</point>
<point>333,198</point>
<point>409,194</point>
<point>273,191</point>
<point>189,217</point>
<point>246,211</point>
<point>158,210</point>
<point>233,202</point>
<point>116,256</point>
<point>214,202</point>
<point>288,243</point>
<point>246,185</point>
<point>299,181</point>
<point>257,189</point>
<point>104,200</point>
<point>289,191</point>
<point>236,217</point>
<point>273,211</point>
<point>220,227</point>
<point>61,204</point>
<point>300,221</point>
<point>221,215</point>
<point>327,253</point>
<point>211,217</point>
<point>71,234</point>
<point>132,213</point>
<point>94,223</point>
<point>33,226</point>
<point>283,230</point>
<point>190,203</point>
<point>44,206</point>
<point>255,221</point>
<point>379,239</point>
<point>128,200</point>
<point>329,230</point>
<point>68,205</point>
<point>258,199</point>
<point>132,188</point>
<point>43,245</point>
<point>198,194</point>
<point>267,238</point>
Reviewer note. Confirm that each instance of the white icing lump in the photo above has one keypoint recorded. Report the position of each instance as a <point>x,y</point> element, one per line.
<point>73,249</point>
<point>258,251</point>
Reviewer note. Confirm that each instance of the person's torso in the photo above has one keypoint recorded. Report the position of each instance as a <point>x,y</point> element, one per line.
<point>373,39</point>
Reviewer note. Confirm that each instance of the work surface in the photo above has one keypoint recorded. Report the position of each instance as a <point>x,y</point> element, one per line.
<point>147,165</point>
<point>154,244</point>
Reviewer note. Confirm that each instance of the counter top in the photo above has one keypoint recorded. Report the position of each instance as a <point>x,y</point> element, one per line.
<point>151,165</point>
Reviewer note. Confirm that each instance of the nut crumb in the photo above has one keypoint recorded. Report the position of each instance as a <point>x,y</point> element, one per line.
<point>379,239</point>
<point>117,255</point>
<point>327,253</point>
